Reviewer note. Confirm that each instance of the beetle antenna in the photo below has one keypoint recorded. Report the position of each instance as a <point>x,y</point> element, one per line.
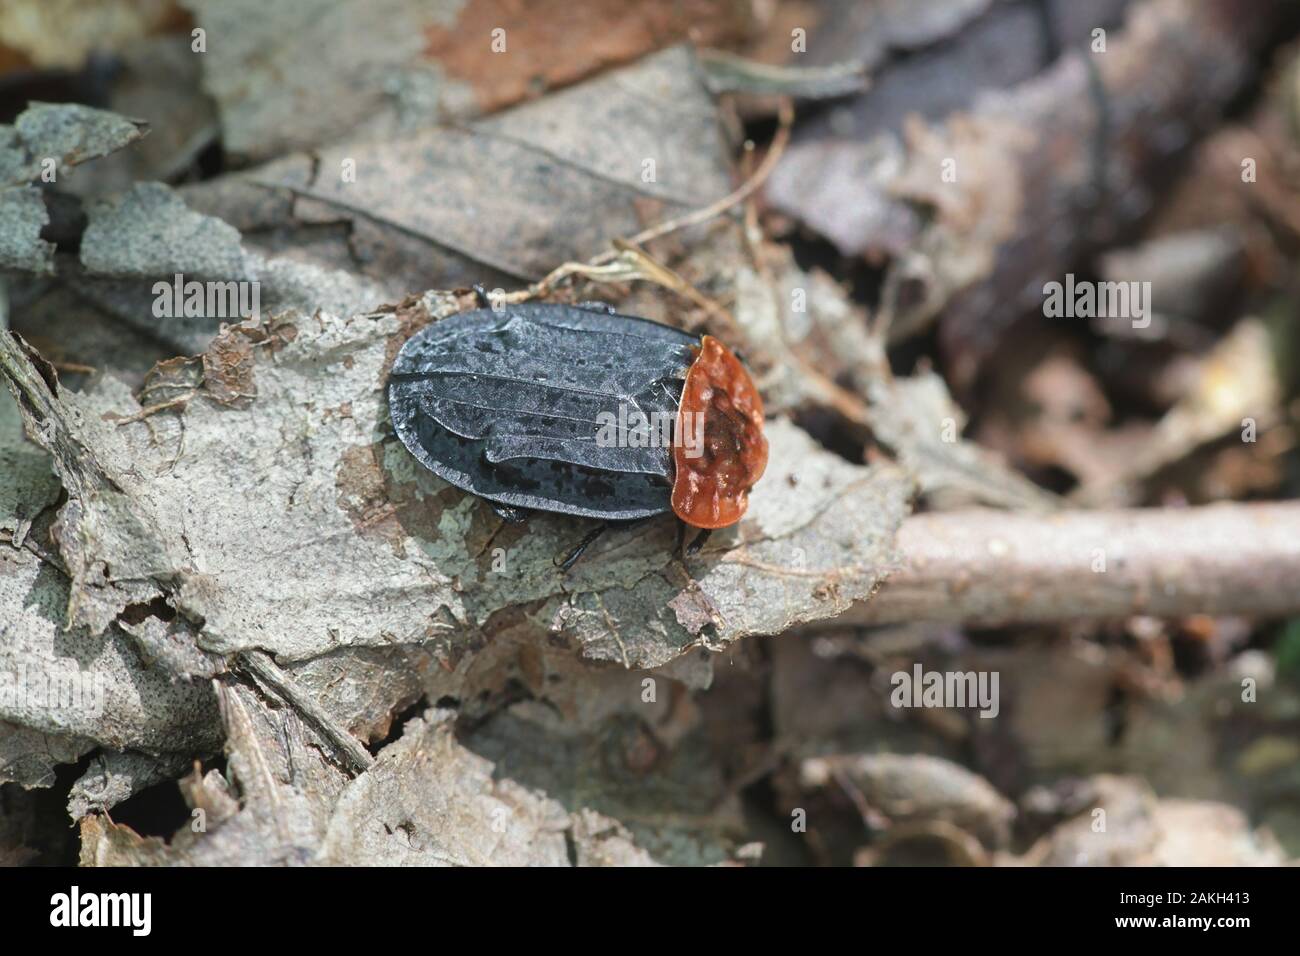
<point>572,557</point>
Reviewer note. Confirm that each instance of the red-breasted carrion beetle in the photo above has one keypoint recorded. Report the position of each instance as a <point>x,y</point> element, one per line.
<point>583,411</point>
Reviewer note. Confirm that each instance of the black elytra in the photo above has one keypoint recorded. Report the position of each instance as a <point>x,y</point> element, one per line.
<point>508,405</point>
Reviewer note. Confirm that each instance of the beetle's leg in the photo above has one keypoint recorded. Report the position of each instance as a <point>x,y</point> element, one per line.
<point>480,293</point>
<point>508,513</point>
<point>694,547</point>
<point>572,557</point>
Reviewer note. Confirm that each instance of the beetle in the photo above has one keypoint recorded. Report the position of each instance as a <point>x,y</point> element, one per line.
<point>580,410</point>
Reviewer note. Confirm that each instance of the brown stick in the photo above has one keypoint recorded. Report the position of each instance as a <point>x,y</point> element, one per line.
<point>994,567</point>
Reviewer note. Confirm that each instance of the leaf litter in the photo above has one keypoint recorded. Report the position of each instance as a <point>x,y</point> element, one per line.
<point>253,504</point>
<point>237,543</point>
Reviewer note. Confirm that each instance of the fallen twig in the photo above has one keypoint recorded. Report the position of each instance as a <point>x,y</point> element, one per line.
<point>993,567</point>
<point>262,667</point>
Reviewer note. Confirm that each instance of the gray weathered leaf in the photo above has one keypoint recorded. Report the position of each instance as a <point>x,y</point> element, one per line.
<point>149,232</point>
<point>908,788</point>
<point>116,776</point>
<point>74,686</point>
<point>22,217</point>
<point>917,419</point>
<point>66,134</point>
<point>109,546</point>
<point>429,800</point>
<point>513,196</point>
<point>151,235</point>
<point>29,757</point>
<point>29,486</point>
<point>306,527</point>
<point>1143,830</point>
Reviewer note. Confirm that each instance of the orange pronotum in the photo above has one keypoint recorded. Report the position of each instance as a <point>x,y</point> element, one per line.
<point>711,489</point>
